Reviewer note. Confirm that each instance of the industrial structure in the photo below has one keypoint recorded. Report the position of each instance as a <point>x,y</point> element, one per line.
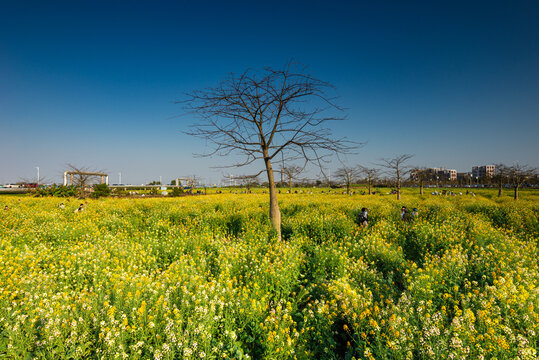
<point>104,177</point>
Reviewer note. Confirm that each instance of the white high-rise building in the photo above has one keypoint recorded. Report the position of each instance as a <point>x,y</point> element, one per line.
<point>479,172</point>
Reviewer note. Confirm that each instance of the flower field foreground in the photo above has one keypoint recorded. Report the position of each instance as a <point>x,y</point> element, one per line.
<point>204,277</point>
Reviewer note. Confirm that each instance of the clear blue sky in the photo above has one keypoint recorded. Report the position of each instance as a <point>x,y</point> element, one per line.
<point>93,82</point>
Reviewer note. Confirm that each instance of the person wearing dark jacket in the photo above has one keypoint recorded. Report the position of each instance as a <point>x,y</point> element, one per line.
<point>363,217</point>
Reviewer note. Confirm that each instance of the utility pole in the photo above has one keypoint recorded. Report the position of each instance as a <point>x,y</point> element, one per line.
<point>119,178</point>
<point>282,169</point>
<point>160,180</point>
<point>37,167</point>
<point>329,177</point>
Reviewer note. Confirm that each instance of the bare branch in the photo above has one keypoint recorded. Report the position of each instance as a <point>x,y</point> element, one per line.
<point>291,172</point>
<point>397,169</point>
<point>348,175</point>
<point>266,112</point>
<point>518,175</point>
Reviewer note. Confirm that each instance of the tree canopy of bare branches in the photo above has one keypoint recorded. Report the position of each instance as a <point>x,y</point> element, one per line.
<point>518,175</point>
<point>291,173</point>
<point>247,180</point>
<point>501,176</point>
<point>420,174</point>
<point>261,114</point>
<point>348,175</point>
<point>371,174</point>
<point>397,168</point>
<point>83,176</point>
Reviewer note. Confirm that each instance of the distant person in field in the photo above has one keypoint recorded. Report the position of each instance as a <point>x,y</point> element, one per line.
<point>80,208</point>
<point>415,213</point>
<point>405,214</point>
<point>6,208</point>
<point>363,217</point>
<point>62,206</point>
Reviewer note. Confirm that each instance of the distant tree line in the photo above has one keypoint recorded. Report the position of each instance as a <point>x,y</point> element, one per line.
<point>396,173</point>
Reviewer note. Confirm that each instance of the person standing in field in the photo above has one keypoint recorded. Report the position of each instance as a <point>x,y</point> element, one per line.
<point>405,214</point>
<point>80,208</point>
<point>363,217</point>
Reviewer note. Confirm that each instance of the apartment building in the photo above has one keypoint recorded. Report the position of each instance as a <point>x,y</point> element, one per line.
<point>479,172</point>
<point>434,174</point>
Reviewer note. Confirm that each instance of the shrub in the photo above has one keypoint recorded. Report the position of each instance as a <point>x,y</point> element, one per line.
<point>176,191</point>
<point>57,191</point>
<point>100,190</point>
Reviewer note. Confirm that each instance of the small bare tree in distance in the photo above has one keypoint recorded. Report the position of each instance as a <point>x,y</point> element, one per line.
<point>26,180</point>
<point>261,114</point>
<point>371,174</point>
<point>348,175</point>
<point>518,174</point>
<point>420,174</point>
<point>291,173</point>
<point>247,180</point>
<point>397,169</point>
<point>83,177</point>
<point>501,176</point>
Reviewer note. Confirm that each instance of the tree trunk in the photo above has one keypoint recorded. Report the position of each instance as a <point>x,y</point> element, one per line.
<point>398,188</point>
<point>347,188</point>
<point>516,192</point>
<point>421,187</point>
<point>370,190</point>
<point>274,212</point>
<point>500,186</point>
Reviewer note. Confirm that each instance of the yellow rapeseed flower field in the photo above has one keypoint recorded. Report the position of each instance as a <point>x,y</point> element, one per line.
<point>204,277</point>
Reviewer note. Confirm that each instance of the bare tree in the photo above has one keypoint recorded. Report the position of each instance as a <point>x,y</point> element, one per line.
<point>518,174</point>
<point>247,180</point>
<point>397,169</point>
<point>261,114</point>
<point>466,180</point>
<point>291,172</point>
<point>501,176</point>
<point>33,181</point>
<point>192,182</point>
<point>420,174</point>
<point>371,174</point>
<point>83,176</point>
<point>348,175</point>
